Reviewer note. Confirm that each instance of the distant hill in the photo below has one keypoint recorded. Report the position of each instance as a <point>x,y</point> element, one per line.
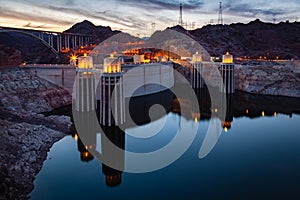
<point>253,39</point>
<point>99,33</point>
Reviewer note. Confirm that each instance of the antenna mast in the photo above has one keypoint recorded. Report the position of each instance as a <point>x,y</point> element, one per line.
<point>153,27</point>
<point>220,19</point>
<point>180,21</point>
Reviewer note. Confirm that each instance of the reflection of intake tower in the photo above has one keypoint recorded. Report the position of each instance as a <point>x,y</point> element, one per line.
<point>85,155</point>
<point>116,136</point>
<point>197,71</point>
<point>112,111</point>
<point>229,115</point>
<point>227,73</point>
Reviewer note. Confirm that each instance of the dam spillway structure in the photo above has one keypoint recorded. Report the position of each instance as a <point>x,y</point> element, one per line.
<point>197,71</point>
<point>227,74</point>
<point>112,100</point>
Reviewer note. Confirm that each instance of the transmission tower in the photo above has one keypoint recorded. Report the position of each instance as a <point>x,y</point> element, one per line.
<point>180,21</point>
<point>220,18</point>
<point>153,27</point>
<point>193,24</point>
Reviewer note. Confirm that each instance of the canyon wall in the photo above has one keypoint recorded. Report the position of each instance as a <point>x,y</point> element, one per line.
<point>26,135</point>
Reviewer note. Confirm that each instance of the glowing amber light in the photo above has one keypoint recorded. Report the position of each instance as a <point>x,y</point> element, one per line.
<point>196,119</point>
<point>263,113</point>
<point>275,114</point>
<point>227,58</point>
<point>111,65</point>
<point>247,111</point>
<point>86,154</point>
<point>85,62</point>
<point>73,57</point>
<point>76,137</point>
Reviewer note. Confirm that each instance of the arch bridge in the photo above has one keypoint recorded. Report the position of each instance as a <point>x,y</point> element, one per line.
<point>55,41</point>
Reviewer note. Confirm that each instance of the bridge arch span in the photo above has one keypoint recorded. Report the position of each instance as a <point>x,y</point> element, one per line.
<point>33,36</point>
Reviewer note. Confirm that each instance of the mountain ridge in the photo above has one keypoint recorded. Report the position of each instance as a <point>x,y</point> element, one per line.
<point>253,39</point>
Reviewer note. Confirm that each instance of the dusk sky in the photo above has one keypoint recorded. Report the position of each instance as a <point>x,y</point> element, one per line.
<point>136,17</point>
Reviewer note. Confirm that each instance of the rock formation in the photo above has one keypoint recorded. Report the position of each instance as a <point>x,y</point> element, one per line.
<point>26,135</point>
<point>9,56</point>
<point>270,80</point>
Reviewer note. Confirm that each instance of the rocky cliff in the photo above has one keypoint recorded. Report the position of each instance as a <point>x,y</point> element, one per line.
<point>267,79</point>
<point>270,80</point>
<point>26,135</point>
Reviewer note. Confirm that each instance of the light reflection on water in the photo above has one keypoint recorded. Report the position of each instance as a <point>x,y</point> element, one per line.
<point>257,156</point>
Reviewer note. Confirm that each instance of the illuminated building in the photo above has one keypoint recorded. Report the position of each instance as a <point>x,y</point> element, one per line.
<point>138,59</point>
<point>227,73</point>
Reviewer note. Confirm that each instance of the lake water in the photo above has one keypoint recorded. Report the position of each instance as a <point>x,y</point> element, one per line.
<point>257,156</point>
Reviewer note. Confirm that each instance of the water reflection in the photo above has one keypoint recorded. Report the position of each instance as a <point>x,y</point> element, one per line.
<point>238,105</point>
<point>85,155</point>
<point>113,177</point>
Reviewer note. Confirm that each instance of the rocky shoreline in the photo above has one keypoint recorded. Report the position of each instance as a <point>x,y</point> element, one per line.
<point>266,79</point>
<point>26,135</point>
<point>278,80</point>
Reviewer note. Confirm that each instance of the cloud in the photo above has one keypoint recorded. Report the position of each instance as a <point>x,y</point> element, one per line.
<point>161,4</point>
<point>137,16</point>
<point>43,26</point>
<point>246,10</point>
<point>12,14</point>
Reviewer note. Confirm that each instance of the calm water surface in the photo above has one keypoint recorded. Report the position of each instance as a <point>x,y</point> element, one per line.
<point>257,158</point>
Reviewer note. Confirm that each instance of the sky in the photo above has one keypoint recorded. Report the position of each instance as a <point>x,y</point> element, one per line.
<point>137,17</point>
